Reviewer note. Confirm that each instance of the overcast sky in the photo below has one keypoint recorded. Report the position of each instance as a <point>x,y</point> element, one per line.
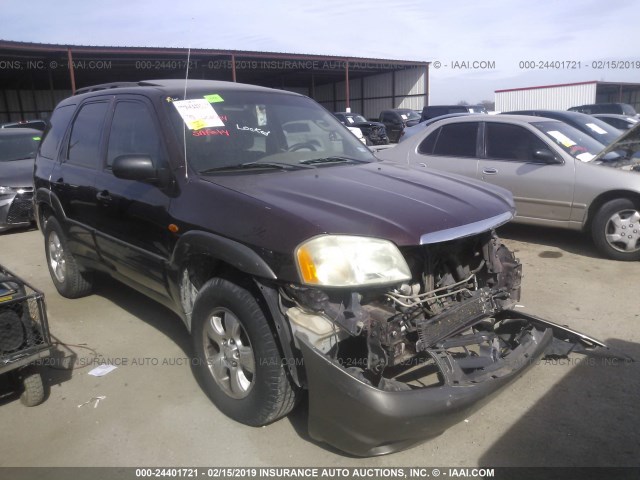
<point>499,31</point>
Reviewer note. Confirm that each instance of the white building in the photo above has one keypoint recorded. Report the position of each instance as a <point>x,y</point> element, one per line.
<point>563,96</point>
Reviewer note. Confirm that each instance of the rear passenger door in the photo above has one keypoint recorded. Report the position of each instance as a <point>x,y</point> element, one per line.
<point>452,148</point>
<point>73,179</point>
<point>133,222</point>
<point>542,190</point>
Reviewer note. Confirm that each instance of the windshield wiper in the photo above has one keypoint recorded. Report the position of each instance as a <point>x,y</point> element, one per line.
<point>251,165</point>
<point>315,161</point>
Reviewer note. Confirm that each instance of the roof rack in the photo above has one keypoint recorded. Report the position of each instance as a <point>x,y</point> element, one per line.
<point>105,86</point>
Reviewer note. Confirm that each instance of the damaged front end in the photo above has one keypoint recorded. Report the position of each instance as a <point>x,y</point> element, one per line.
<point>388,367</point>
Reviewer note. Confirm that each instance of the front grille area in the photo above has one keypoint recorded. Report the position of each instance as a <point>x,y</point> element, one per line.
<point>21,209</point>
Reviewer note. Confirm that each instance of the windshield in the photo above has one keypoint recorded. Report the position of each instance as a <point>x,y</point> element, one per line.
<point>18,146</point>
<point>571,140</point>
<point>601,131</point>
<point>410,114</point>
<point>355,119</point>
<point>227,129</point>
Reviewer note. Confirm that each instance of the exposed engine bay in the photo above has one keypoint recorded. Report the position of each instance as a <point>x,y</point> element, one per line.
<point>453,323</point>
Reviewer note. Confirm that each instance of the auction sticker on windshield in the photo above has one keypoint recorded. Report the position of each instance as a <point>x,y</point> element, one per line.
<point>562,138</point>
<point>198,114</point>
<point>596,128</point>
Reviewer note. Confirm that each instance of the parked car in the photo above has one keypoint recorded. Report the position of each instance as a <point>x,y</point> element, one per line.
<point>420,127</point>
<point>558,175</point>
<point>596,128</point>
<point>433,111</point>
<point>17,152</point>
<point>34,124</point>
<point>294,257</point>
<point>621,122</point>
<point>618,108</point>
<point>375,132</point>
<point>396,120</point>
<point>358,134</point>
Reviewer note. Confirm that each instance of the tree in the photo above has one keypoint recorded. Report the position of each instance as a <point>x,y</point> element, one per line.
<point>489,105</point>
<point>463,102</point>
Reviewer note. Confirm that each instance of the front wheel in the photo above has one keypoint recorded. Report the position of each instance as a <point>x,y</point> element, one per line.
<point>616,230</point>
<point>236,356</point>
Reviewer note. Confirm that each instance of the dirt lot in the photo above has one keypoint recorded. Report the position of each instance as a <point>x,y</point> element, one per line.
<point>578,411</point>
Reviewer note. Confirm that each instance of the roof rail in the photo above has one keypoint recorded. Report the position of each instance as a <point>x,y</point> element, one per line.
<point>105,86</point>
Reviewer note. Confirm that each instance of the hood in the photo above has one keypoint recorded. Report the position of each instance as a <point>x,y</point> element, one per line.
<point>368,124</point>
<point>18,173</point>
<point>382,199</point>
<point>623,153</point>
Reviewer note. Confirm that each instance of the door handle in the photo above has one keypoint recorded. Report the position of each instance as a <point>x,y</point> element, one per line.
<point>104,196</point>
<point>489,171</point>
<point>422,164</point>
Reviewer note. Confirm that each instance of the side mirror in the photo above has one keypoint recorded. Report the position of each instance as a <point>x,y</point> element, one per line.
<point>545,156</point>
<point>135,167</point>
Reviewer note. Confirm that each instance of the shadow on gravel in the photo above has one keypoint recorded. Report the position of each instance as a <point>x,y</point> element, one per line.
<point>589,419</point>
<point>571,241</point>
<point>145,309</point>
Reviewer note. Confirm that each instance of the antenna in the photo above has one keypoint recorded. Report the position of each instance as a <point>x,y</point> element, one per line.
<point>184,128</point>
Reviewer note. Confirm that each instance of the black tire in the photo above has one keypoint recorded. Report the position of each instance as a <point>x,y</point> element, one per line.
<point>67,277</point>
<point>616,230</point>
<point>33,393</point>
<point>255,398</point>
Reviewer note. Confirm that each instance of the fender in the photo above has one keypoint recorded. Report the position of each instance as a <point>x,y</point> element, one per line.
<point>46,196</point>
<point>229,251</point>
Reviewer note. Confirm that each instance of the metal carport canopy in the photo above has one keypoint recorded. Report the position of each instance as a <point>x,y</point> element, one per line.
<point>26,65</point>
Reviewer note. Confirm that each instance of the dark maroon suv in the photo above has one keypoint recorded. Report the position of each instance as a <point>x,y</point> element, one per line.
<point>295,258</point>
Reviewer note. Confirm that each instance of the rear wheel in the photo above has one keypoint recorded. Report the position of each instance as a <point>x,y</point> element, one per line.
<point>67,277</point>
<point>237,358</point>
<point>616,230</point>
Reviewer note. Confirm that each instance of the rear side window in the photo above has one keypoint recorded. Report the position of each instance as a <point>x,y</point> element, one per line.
<point>453,140</point>
<point>133,132</point>
<point>57,127</point>
<point>84,142</point>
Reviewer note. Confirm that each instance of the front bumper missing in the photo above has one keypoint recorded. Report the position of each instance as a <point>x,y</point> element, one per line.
<point>362,420</point>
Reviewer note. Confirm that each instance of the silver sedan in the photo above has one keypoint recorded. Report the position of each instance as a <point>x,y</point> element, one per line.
<point>558,175</point>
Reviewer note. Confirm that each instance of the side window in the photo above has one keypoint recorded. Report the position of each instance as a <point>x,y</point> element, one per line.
<point>457,140</point>
<point>57,127</point>
<point>426,146</point>
<point>84,142</point>
<point>512,142</point>
<point>133,132</point>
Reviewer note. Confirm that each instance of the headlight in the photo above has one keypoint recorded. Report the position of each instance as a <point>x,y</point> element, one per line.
<point>346,261</point>
<point>6,190</point>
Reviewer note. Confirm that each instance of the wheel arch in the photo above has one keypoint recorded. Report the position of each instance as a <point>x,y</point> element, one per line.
<point>200,256</point>
<point>46,204</point>
<point>605,197</point>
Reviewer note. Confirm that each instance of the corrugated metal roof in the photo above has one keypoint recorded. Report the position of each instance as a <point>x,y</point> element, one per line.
<point>52,47</point>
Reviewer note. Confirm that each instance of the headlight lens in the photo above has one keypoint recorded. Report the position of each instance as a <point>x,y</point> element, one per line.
<point>346,261</point>
<point>6,190</point>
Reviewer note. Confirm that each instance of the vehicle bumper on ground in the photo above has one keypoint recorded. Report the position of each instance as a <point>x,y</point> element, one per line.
<point>362,420</point>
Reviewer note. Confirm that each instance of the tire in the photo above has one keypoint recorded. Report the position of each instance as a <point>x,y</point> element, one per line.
<point>63,268</point>
<point>33,393</point>
<point>231,337</point>
<point>616,230</point>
